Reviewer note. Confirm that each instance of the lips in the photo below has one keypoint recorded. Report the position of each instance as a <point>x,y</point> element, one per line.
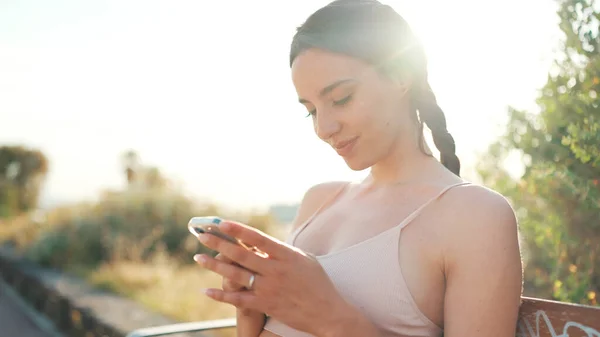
<point>344,148</point>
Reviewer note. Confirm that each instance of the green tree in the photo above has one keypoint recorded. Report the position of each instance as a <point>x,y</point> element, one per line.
<point>22,172</point>
<point>558,197</point>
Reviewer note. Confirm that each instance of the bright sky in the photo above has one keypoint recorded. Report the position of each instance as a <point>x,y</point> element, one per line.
<point>202,89</point>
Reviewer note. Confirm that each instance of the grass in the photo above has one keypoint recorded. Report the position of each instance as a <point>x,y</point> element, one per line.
<point>173,291</point>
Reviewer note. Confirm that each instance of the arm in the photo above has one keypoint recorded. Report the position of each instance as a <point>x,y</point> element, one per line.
<point>250,323</point>
<point>483,268</point>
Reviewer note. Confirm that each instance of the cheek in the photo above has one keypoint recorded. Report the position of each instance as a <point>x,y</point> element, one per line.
<point>382,128</point>
<point>364,119</point>
<point>382,118</point>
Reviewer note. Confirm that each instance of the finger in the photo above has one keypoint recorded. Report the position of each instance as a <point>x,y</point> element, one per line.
<point>237,254</point>
<point>229,271</point>
<point>223,258</point>
<point>229,285</point>
<point>239,299</point>
<point>254,237</point>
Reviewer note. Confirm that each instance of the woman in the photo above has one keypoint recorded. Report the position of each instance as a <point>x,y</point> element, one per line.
<point>412,250</point>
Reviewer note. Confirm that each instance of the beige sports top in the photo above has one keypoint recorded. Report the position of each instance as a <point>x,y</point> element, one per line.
<point>378,289</point>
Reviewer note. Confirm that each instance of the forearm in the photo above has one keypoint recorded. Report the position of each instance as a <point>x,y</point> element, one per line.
<point>249,323</point>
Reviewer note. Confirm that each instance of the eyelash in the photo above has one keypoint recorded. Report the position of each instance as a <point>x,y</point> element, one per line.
<point>340,102</point>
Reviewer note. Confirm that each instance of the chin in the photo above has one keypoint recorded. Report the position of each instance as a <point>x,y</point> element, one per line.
<point>356,163</point>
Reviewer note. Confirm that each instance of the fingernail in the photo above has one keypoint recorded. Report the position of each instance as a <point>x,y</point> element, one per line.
<point>206,291</point>
<point>197,257</point>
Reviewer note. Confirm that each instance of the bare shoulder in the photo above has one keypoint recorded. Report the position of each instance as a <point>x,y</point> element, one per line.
<point>481,233</point>
<point>476,207</point>
<point>314,198</point>
<point>478,213</point>
<point>482,262</point>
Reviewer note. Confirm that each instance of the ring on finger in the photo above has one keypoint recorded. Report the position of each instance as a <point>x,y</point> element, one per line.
<point>251,281</point>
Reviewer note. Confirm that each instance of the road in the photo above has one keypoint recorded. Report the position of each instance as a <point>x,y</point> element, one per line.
<point>17,320</point>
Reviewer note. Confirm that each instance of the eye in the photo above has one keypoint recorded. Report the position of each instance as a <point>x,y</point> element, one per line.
<point>343,101</point>
<point>311,113</point>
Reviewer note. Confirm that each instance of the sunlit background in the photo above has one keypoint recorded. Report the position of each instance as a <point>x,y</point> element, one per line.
<point>202,90</point>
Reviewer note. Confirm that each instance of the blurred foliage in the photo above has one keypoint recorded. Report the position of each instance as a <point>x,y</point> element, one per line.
<point>22,172</point>
<point>147,217</point>
<point>557,199</point>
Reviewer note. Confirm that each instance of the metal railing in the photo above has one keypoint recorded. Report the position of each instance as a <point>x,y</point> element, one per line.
<point>171,329</point>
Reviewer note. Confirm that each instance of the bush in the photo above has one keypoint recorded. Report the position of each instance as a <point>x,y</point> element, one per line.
<point>131,225</point>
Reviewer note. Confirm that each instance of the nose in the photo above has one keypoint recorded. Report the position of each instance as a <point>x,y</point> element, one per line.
<point>326,125</point>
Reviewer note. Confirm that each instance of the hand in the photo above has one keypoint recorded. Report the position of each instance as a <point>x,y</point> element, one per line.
<point>289,284</point>
<point>227,284</point>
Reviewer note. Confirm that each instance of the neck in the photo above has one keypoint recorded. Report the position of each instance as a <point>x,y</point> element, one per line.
<point>405,166</point>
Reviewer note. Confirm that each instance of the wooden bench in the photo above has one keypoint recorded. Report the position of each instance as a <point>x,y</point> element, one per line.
<point>537,318</point>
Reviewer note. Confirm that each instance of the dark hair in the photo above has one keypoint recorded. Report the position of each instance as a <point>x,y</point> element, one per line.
<point>376,33</point>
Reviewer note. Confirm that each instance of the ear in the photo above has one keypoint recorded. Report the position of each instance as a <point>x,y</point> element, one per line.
<point>401,79</point>
<point>403,83</point>
<point>404,87</point>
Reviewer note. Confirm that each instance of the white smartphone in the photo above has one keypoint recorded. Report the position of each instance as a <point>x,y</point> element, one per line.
<point>210,225</point>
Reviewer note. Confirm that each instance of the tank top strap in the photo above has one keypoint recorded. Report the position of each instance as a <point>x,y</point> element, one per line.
<point>418,211</point>
<point>328,201</point>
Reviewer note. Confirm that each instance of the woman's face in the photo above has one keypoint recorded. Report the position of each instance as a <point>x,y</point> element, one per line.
<point>362,114</point>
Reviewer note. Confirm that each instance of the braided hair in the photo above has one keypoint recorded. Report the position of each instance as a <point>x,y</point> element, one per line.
<point>376,33</point>
<point>432,115</point>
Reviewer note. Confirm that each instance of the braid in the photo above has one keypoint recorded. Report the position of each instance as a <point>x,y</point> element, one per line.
<point>431,114</point>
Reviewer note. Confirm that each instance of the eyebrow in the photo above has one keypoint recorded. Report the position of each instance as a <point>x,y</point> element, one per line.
<point>330,88</point>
